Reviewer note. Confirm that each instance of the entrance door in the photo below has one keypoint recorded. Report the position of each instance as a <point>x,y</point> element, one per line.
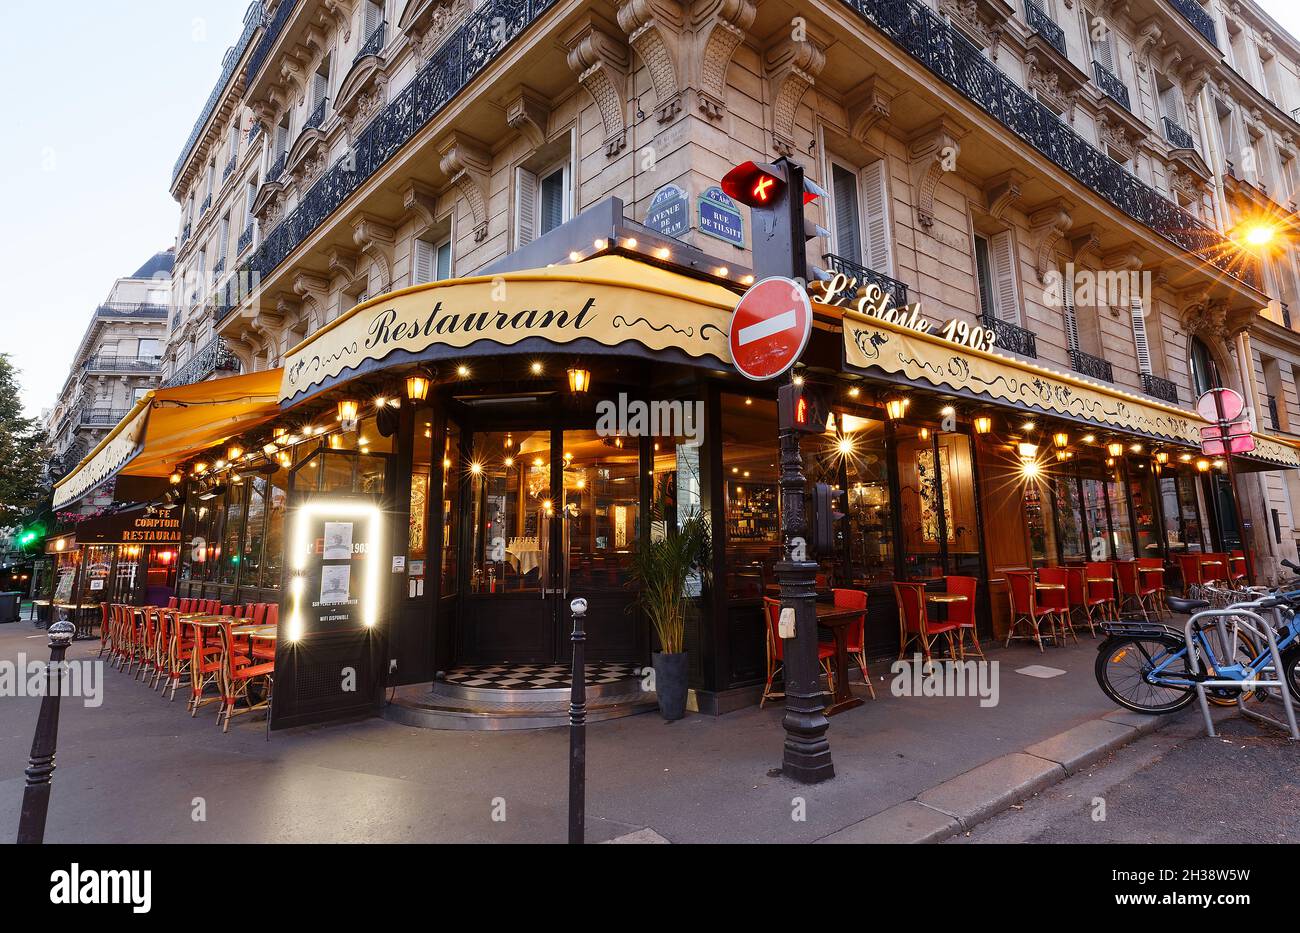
<point>552,514</point>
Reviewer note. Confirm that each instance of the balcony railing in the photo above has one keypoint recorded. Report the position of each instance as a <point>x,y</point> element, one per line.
<point>487,32</point>
<point>213,357</point>
<point>1160,388</point>
<point>102,417</point>
<point>245,240</point>
<point>132,310</point>
<point>1091,366</point>
<point>1110,84</point>
<point>253,19</point>
<point>1286,315</point>
<point>895,289</point>
<point>207,202</point>
<point>1274,421</point>
<point>317,115</point>
<point>113,363</point>
<point>277,167</point>
<point>270,33</point>
<point>185,234</point>
<point>219,267</point>
<point>956,60</point>
<point>1045,26</point>
<point>1200,20</point>
<point>1178,137</point>
<point>230,167</point>
<point>374,42</point>
<point>1011,337</point>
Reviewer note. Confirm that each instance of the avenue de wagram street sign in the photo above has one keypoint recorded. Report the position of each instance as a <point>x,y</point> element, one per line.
<point>770,327</point>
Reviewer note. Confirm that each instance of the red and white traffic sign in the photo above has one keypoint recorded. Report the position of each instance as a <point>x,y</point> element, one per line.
<point>1220,405</point>
<point>770,327</point>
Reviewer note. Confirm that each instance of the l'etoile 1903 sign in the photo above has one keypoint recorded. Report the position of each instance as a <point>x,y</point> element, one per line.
<point>843,291</point>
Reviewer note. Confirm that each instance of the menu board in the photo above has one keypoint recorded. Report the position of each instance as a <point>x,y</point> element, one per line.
<point>335,579</point>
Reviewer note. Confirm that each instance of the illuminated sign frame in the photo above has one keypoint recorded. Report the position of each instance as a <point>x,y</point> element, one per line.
<point>302,553</point>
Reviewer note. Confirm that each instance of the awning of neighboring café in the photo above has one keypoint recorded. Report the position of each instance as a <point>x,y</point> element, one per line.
<point>607,304</point>
<point>168,425</point>
<point>887,350</point>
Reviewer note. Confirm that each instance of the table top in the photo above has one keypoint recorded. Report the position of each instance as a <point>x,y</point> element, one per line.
<point>946,597</point>
<point>1211,563</point>
<point>1050,586</point>
<point>1101,579</point>
<point>829,613</point>
<point>254,629</point>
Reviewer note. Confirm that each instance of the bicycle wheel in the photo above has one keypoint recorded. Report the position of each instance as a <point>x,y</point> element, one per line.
<point>1121,669</point>
<point>1246,652</point>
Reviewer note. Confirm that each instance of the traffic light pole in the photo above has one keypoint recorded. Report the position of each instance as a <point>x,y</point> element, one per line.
<point>807,756</point>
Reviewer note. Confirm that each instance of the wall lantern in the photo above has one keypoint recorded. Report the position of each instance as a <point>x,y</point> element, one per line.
<point>1219,464</point>
<point>417,386</point>
<point>175,478</point>
<point>1202,465</point>
<point>1061,440</point>
<point>983,424</point>
<point>896,408</point>
<point>1115,448</point>
<point>348,408</point>
<point>1027,450</point>
<point>269,449</point>
<point>234,452</point>
<point>1162,457</point>
<point>579,380</point>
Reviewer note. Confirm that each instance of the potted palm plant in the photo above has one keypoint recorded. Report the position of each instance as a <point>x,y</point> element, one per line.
<point>661,571</point>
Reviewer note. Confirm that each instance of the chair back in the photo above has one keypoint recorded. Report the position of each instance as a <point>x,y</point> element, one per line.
<point>228,610</point>
<point>171,602</point>
<point>227,641</point>
<point>1213,571</point>
<point>853,599</point>
<point>258,613</point>
<point>1190,567</point>
<point>962,613</point>
<point>1058,600</point>
<point>1076,586</point>
<point>1020,589</point>
<point>1237,566</point>
<point>775,643</point>
<point>911,605</point>
<point>1126,571</point>
<point>273,614</point>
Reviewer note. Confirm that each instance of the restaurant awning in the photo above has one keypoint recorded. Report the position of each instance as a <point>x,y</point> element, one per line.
<point>169,425</point>
<point>607,304</point>
<point>882,348</point>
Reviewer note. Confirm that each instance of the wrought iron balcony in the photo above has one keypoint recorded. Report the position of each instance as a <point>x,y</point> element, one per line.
<point>245,240</point>
<point>185,234</point>
<point>895,289</point>
<point>277,167</point>
<point>942,49</point>
<point>1011,337</point>
<point>131,309</point>
<point>374,42</point>
<point>1274,421</point>
<point>213,357</point>
<point>207,202</point>
<point>252,20</point>
<point>219,266</point>
<point>1178,137</point>
<point>254,131</point>
<point>483,36</point>
<point>1091,366</point>
<point>1110,84</point>
<point>1045,26</point>
<point>317,115</point>
<point>1286,315</point>
<point>1200,20</point>
<point>270,32</point>
<point>112,363</point>
<point>230,167</point>
<point>101,417</point>
<point>1160,388</point>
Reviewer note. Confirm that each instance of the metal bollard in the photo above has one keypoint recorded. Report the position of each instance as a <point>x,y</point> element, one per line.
<point>40,767</point>
<point>578,727</point>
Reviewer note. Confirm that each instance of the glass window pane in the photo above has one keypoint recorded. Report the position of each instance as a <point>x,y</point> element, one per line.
<point>510,486</point>
<point>277,503</point>
<point>552,201</point>
<point>417,536</point>
<point>1120,525</point>
<point>230,555</point>
<point>1069,518</point>
<point>853,457</point>
<point>450,508</point>
<point>601,497</point>
<point>1141,484</point>
<point>1098,521</point>
<point>254,531</point>
<point>751,496</point>
<point>921,502</point>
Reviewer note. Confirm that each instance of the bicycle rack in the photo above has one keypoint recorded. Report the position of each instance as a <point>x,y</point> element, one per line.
<point>1265,631</point>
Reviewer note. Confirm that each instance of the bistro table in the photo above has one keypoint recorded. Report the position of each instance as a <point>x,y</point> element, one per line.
<point>838,619</point>
<point>943,600</point>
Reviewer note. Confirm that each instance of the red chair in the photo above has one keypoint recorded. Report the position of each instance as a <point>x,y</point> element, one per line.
<point>1237,567</point>
<point>776,651</point>
<point>171,602</point>
<point>1133,586</point>
<point>913,625</point>
<point>1076,592</point>
<point>205,665</point>
<point>105,630</point>
<point>1054,595</point>
<point>1214,568</point>
<point>1152,571</point>
<point>238,672</point>
<point>1099,593</point>
<point>227,610</point>
<point>962,614</point>
<point>1190,567</point>
<point>1024,607</point>
<point>180,654</point>
<point>857,635</point>
<point>273,614</point>
<point>256,613</point>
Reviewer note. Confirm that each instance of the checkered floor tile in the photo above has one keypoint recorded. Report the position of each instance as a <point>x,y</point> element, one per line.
<point>536,676</point>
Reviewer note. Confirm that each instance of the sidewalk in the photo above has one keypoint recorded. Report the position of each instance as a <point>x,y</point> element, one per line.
<point>139,769</point>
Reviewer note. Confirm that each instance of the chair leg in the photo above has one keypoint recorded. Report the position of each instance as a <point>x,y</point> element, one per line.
<point>866,676</point>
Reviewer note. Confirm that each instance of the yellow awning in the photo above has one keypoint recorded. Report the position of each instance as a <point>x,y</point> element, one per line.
<point>169,425</point>
<point>609,300</point>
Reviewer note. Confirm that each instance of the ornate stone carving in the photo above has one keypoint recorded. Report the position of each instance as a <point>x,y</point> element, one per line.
<point>1048,224</point>
<point>375,239</point>
<point>1048,84</point>
<point>966,13</point>
<point>1116,135</point>
<point>601,62</point>
<point>1002,192</point>
<point>467,165</point>
<point>341,261</point>
<point>721,24</point>
<point>428,22</point>
<point>1148,40</point>
<point>1205,317</point>
<point>792,67</point>
<point>868,105</point>
<point>654,29</point>
<point>528,113</point>
<point>933,151</point>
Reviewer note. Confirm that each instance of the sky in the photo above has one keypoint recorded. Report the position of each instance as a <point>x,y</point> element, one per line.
<point>95,110</point>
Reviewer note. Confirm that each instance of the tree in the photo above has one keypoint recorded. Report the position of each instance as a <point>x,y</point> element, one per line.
<point>23,453</point>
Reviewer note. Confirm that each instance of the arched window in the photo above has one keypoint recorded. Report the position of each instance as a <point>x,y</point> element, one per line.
<point>1205,372</point>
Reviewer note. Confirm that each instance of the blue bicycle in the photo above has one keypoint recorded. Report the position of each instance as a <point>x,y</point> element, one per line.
<point>1144,666</point>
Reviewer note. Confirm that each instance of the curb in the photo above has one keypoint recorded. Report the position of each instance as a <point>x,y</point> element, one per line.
<point>974,796</point>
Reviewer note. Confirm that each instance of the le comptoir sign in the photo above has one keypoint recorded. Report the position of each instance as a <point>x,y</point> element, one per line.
<point>843,291</point>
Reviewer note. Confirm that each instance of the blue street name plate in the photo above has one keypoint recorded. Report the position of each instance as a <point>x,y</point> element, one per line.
<point>720,217</point>
<point>669,211</point>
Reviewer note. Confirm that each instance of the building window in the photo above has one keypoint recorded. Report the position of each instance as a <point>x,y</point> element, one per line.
<point>1205,373</point>
<point>860,215</point>
<point>996,276</point>
<point>431,255</point>
<point>543,201</point>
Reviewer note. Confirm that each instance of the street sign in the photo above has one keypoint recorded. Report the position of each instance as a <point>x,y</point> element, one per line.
<point>669,211</point>
<point>770,328</point>
<point>1220,405</point>
<point>720,217</point>
<point>1215,432</point>
<point>1236,444</point>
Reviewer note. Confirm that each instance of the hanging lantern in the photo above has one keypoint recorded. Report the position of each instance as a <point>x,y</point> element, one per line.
<point>1027,450</point>
<point>1061,440</point>
<point>348,408</point>
<point>579,380</point>
<point>983,424</point>
<point>1162,457</point>
<point>175,478</point>
<point>234,452</point>
<point>1114,448</point>
<point>1202,465</point>
<point>896,408</point>
<point>417,386</point>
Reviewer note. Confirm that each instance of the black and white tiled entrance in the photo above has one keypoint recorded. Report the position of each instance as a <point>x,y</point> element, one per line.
<point>536,676</point>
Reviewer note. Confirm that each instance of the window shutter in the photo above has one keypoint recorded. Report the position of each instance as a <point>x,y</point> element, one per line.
<point>1002,257</point>
<point>525,207</point>
<point>371,20</point>
<point>1140,336</point>
<point>844,203</point>
<point>422,263</point>
<point>875,203</point>
<point>1071,318</point>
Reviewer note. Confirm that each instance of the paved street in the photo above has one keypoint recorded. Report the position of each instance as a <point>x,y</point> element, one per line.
<point>138,769</point>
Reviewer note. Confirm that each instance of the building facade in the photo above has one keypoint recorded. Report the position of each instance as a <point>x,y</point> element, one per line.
<point>117,361</point>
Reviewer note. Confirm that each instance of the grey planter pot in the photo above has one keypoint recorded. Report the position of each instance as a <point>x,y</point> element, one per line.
<point>670,684</point>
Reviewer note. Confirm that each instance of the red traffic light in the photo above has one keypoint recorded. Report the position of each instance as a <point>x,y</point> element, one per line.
<point>761,184</point>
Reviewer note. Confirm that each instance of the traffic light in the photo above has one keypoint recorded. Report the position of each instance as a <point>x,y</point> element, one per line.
<point>30,536</point>
<point>776,193</point>
<point>802,408</point>
<point>824,517</point>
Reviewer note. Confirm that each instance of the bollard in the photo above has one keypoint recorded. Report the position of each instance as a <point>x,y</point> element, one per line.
<point>40,767</point>
<point>578,727</point>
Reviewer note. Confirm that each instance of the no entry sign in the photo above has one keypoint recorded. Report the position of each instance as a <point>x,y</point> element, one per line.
<point>770,327</point>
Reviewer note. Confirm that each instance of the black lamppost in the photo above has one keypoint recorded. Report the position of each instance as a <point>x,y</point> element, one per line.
<point>578,727</point>
<point>40,767</point>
